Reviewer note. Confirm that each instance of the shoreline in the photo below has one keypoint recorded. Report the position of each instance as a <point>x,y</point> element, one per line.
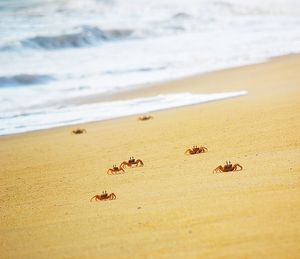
<point>173,206</point>
<point>144,90</point>
<point>208,98</point>
<point>163,87</point>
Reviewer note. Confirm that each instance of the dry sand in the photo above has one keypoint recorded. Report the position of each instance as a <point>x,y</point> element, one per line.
<point>173,206</point>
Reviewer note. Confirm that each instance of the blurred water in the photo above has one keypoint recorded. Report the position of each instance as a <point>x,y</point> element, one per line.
<point>54,50</point>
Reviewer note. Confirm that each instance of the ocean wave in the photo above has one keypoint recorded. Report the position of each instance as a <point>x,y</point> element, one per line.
<point>24,79</point>
<point>86,36</point>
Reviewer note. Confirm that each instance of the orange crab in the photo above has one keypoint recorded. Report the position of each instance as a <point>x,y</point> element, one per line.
<point>195,150</point>
<point>131,162</point>
<point>115,170</point>
<point>104,197</point>
<point>228,168</point>
<point>145,118</point>
<point>78,131</point>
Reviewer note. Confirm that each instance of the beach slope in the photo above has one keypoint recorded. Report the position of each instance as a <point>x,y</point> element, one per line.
<point>174,206</point>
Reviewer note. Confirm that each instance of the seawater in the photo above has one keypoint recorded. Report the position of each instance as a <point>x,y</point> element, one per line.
<point>52,51</point>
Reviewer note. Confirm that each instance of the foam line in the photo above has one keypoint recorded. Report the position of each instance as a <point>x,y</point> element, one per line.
<point>17,122</point>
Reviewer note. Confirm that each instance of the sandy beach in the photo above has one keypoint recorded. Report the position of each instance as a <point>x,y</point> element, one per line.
<point>174,206</point>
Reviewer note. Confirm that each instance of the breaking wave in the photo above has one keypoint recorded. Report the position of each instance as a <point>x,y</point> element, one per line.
<point>86,36</point>
<point>24,79</point>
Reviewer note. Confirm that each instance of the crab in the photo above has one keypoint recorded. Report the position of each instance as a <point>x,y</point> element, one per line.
<point>132,161</point>
<point>103,197</point>
<point>228,168</point>
<point>115,170</point>
<point>145,118</point>
<point>195,150</point>
<point>78,131</point>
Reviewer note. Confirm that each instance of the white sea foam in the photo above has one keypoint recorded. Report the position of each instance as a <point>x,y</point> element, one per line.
<point>17,122</point>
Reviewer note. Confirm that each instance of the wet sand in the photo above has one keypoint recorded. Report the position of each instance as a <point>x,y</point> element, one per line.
<point>173,206</point>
